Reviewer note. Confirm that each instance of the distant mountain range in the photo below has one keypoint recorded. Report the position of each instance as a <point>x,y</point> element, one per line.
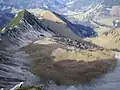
<point>53,5</point>
<point>5,18</point>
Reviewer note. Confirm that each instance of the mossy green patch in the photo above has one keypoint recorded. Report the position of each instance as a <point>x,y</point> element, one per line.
<point>0,29</point>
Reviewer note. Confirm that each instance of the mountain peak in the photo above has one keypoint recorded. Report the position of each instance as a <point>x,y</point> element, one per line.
<point>16,19</point>
<point>51,16</point>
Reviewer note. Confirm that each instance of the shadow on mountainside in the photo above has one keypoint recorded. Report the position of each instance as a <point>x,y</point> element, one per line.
<point>80,30</point>
<point>67,29</point>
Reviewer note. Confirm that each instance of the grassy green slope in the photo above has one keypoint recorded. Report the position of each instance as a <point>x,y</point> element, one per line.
<point>16,20</point>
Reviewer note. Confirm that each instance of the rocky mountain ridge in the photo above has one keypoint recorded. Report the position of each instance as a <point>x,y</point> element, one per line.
<point>25,22</point>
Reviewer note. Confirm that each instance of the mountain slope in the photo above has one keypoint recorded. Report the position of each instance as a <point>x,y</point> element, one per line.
<point>25,24</point>
<point>49,23</point>
<point>57,59</point>
<point>78,29</point>
<point>66,61</point>
<point>22,27</point>
<point>110,39</point>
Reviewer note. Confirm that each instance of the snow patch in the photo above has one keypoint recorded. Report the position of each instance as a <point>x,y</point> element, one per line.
<point>3,30</point>
<point>17,86</point>
<point>117,57</point>
<point>70,3</point>
<point>4,8</point>
<point>16,15</point>
<point>72,88</point>
<point>45,6</point>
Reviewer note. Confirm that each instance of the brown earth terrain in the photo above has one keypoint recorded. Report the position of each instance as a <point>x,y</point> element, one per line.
<point>67,65</point>
<point>110,39</point>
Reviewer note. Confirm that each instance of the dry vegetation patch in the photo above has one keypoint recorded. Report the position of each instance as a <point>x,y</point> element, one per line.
<point>64,66</point>
<point>109,40</point>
